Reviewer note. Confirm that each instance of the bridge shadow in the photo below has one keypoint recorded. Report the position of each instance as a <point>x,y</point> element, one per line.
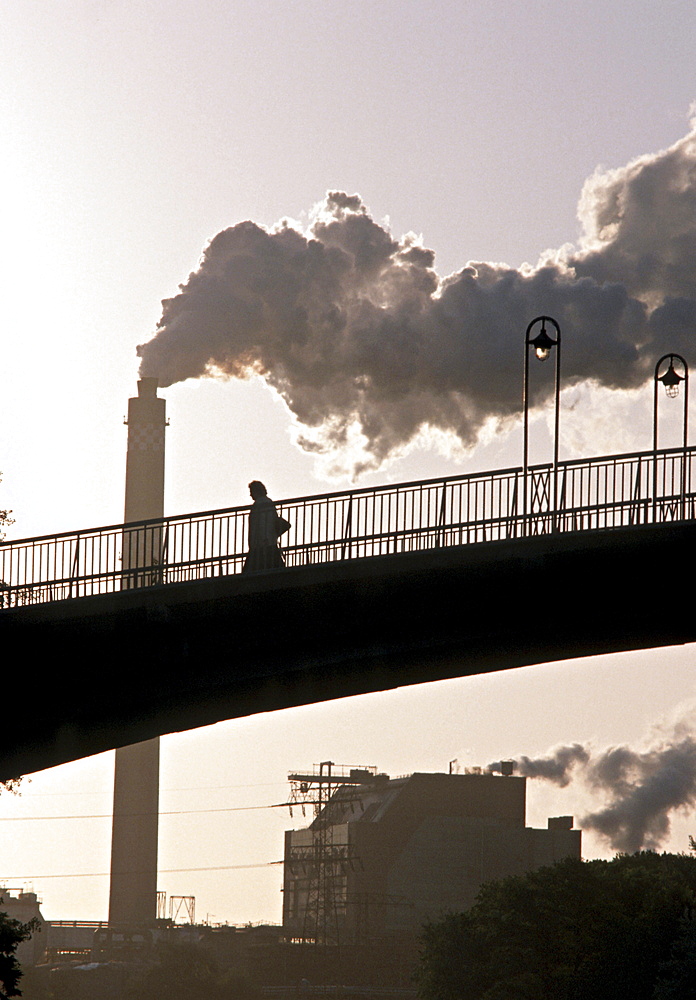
<point>118,668</point>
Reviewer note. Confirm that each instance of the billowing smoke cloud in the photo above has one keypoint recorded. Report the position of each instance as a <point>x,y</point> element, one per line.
<point>368,346</point>
<point>639,789</point>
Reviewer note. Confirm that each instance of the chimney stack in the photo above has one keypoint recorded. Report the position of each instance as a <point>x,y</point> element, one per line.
<point>133,887</point>
<point>145,455</point>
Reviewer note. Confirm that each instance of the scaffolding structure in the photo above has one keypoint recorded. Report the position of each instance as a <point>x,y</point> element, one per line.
<point>187,904</point>
<point>178,906</point>
<point>325,863</point>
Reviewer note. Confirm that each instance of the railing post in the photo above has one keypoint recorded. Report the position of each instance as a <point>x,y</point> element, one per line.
<point>73,574</point>
<point>441,518</point>
<point>635,506</point>
<point>560,500</point>
<point>347,528</point>
<point>512,511</point>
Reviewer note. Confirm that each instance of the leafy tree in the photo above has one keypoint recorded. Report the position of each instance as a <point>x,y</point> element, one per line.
<point>573,931</point>
<point>189,972</point>
<point>5,518</point>
<point>678,976</point>
<point>12,933</point>
<point>10,785</point>
<point>677,979</point>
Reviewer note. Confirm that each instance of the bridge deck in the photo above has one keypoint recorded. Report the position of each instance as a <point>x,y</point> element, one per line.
<point>137,661</point>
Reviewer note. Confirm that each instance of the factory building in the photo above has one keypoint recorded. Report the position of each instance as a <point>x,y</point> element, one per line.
<point>383,856</point>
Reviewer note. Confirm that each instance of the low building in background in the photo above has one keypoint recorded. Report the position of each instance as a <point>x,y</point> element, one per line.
<point>26,906</point>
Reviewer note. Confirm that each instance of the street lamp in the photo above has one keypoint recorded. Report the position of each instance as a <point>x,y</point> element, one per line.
<point>542,344</point>
<point>671,380</point>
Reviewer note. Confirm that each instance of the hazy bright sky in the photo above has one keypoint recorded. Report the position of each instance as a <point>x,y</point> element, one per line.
<point>133,132</point>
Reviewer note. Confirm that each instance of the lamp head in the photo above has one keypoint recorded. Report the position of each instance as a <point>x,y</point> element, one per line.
<point>542,344</point>
<point>671,380</point>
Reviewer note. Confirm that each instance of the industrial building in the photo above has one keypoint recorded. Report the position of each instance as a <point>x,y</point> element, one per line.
<point>384,855</point>
<point>25,907</point>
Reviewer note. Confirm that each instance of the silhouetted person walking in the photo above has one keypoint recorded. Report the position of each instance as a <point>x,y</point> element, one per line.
<point>263,532</point>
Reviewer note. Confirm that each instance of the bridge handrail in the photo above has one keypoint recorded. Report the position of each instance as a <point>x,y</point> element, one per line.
<point>357,491</point>
<point>600,492</point>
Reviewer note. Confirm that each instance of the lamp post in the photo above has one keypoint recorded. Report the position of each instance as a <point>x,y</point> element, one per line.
<point>671,380</point>
<point>542,344</point>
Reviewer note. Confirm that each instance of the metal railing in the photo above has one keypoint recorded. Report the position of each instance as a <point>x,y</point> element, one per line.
<point>598,493</point>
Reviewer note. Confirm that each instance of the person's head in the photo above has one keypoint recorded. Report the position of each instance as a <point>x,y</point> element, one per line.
<point>257,489</point>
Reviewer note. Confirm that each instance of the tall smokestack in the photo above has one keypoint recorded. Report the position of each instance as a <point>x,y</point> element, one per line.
<point>133,887</point>
<point>145,456</point>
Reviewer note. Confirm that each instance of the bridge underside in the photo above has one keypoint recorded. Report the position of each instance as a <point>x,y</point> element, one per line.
<point>116,669</point>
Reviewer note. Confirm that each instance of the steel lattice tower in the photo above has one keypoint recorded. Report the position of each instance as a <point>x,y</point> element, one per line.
<point>325,863</point>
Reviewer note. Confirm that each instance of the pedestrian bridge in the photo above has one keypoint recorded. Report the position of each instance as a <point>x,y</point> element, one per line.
<point>151,627</point>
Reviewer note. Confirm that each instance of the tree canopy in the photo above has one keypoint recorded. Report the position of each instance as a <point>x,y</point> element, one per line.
<point>189,972</point>
<point>12,933</point>
<point>5,518</point>
<point>10,785</point>
<point>595,930</point>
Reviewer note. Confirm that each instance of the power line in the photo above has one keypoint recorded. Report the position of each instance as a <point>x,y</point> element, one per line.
<point>105,791</point>
<point>169,812</point>
<point>160,871</point>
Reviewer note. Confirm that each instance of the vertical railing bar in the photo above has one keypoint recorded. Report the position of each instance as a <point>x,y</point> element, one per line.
<point>441,518</point>
<point>74,565</point>
<point>636,493</point>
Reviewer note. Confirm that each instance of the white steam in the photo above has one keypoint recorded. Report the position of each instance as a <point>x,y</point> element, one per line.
<point>365,342</point>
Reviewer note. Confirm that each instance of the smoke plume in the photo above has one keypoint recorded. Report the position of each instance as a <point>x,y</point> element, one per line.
<point>369,347</point>
<point>556,767</point>
<point>639,789</point>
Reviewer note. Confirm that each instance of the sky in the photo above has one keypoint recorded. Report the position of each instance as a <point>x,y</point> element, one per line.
<point>497,161</point>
